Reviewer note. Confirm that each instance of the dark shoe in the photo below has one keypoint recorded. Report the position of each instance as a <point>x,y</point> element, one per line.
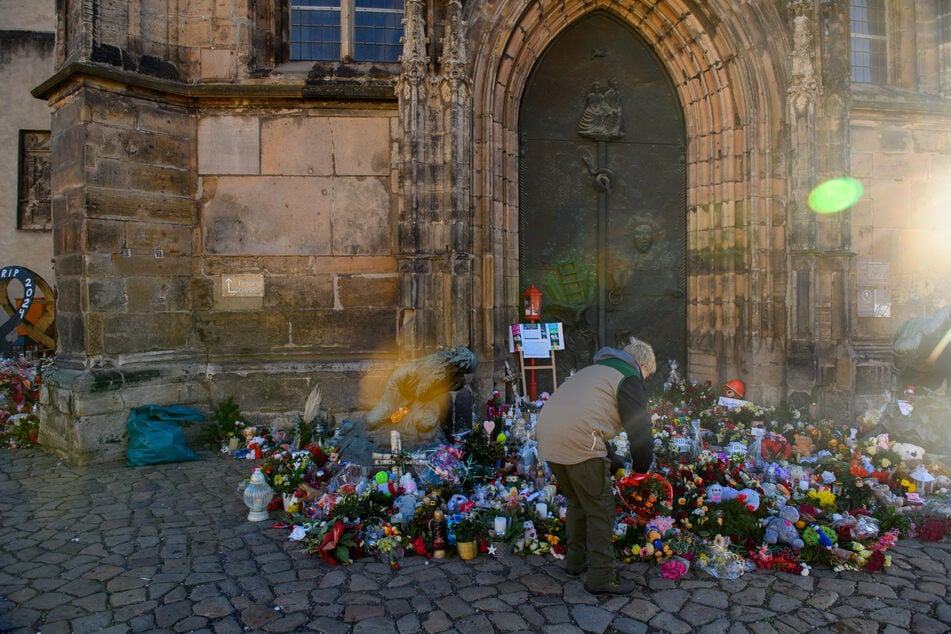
<point>575,570</point>
<point>618,586</point>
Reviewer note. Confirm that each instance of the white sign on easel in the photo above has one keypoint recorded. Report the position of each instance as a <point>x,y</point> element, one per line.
<point>537,341</point>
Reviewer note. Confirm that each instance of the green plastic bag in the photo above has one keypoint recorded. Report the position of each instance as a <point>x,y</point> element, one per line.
<point>155,436</point>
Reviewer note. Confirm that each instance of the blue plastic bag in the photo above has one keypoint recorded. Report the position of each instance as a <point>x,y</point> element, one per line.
<point>155,436</point>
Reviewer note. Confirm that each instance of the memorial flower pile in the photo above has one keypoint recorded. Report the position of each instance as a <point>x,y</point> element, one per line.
<point>19,394</point>
<point>722,474</point>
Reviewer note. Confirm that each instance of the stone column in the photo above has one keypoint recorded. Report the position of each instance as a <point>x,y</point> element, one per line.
<point>435,233</point>
<point>124,205</point>
<point>817,244</point>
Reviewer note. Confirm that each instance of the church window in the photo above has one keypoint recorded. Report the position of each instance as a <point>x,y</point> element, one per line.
<point>869,41</point>
<point>350,30</point>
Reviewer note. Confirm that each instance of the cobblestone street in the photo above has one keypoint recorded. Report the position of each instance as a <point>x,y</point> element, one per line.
<point>168,548</point>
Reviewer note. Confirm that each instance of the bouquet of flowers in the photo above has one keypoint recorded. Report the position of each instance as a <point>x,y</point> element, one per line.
<point>285,470</point>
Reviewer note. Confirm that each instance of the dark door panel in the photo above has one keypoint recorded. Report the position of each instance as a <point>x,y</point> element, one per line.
<point>602,193</point>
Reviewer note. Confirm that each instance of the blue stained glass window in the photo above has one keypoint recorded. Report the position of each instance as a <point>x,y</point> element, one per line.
<point>315,30</point>
<point>869,41</point>
<point>378,27</point>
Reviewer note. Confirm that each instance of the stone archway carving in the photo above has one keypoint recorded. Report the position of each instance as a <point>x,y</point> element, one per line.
<point>727,73</point>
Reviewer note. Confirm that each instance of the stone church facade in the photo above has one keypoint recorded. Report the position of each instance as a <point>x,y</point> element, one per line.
<point>231,218</point>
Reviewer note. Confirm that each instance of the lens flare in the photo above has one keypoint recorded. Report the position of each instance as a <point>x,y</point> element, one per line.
<point>938,349</point>
<point>835,195</point>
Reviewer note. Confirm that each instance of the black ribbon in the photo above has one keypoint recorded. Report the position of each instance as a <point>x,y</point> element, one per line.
<point>25,277</point>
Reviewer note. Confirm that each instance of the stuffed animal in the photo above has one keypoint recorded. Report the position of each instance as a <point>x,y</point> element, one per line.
<point>804,445</point>
<point>749,498</point>
<point>781,529</point>
<point>911,455</point>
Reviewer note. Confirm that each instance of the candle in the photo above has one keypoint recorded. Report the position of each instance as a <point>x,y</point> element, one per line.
<point>500,524</point>
<point>542,509</point>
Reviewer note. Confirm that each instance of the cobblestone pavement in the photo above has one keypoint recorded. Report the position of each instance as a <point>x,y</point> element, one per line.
<point>168,549</point>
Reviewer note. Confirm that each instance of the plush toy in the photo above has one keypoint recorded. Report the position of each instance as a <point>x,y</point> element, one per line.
<point>781,529</point>
<point>728,493</point>
<point>749,498</point>
<point>911,455</point>
<point>804,445</point>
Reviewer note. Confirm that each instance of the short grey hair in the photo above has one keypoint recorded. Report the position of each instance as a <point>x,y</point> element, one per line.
<point>642,353</point>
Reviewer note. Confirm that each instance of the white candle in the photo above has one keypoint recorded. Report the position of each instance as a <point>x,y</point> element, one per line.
<point>500,524</point>
<point>542,509</point>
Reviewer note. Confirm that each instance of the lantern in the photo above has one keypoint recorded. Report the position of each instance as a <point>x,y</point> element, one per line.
<point>532,303</point>
<point>257,495</point>
<point>924,481</point>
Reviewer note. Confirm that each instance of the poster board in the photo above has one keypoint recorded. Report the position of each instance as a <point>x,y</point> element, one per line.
<point>536,341</point>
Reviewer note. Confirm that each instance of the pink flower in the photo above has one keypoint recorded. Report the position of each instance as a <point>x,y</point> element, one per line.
<point>673,568</point>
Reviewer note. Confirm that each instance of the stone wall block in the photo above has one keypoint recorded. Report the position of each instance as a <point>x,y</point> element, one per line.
<point>104,236</point>
<point>361,146</point>
<point>275,265</point>
<point>891,202</point>
<point>368,291</point>
<point>229,145</point>
<point>92,334</point>
<point>103,107</point>
<point>223,332</point>
<point>196,30</point>
<point>352,331</point>
<point>932,140</point>
<point>269,216</point>
<point>299,292</point>
<point>297,145</point>
<point>68,299</point>
<point>172,239</point>
<point>142,147</point>
<point>107,294</point>
<point>361,217</point>
<point>145,264</point>
<point>171,125</point>
<point>110,173</point>
<point>75,203</point>
<point>68,237</point>
<point>70,332</point>
<point>144,332</point>
<point>224,34</point>
<point>355,265</point>
<point>155,293</point>
<point>113,203</point>
<point>218,64</point>
<point>99,264</point>
<point>163,180</point>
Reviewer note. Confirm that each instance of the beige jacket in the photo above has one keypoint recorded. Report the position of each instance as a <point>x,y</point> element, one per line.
<point>581,415</point>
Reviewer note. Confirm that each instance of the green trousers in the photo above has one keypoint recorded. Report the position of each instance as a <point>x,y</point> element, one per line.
<point>589,525</point>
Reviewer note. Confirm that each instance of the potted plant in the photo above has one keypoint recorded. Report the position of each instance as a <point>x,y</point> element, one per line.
<point>468,530</point>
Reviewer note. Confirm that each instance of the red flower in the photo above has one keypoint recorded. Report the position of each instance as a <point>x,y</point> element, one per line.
<point>933,530</point>
<point>876,561</point>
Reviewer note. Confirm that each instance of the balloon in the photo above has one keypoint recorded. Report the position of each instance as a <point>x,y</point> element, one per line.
<point>489,426</point>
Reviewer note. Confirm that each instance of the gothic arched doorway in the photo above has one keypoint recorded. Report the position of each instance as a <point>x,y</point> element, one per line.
<point>602,211</point>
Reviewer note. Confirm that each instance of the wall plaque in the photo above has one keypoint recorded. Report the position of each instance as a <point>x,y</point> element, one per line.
<point>242,285</point>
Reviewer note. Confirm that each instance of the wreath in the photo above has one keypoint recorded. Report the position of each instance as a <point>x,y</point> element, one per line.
<point>645,495</point>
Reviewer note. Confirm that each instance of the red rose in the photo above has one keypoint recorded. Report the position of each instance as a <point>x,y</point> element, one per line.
<point>876,562</point>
